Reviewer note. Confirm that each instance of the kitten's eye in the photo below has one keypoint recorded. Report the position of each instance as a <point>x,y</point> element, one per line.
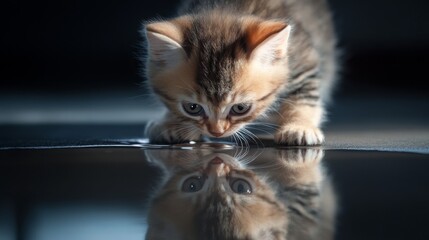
<point>193,109</point>
<point>240,109</point>
<point>241,186</point>
<point>192,184</point>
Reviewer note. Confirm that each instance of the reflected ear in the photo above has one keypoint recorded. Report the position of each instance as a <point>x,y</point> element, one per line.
<point>267,41</point>
<point>164,44</point>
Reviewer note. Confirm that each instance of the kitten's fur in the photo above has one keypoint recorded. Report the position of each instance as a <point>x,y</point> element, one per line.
<point>271,54</point>
<point>290,197</point>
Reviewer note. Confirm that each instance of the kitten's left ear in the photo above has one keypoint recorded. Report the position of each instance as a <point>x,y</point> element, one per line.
<point>267,41</point>
<point>164,43</point>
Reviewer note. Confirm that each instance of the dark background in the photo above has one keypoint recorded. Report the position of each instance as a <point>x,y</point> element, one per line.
<point>86,46</point>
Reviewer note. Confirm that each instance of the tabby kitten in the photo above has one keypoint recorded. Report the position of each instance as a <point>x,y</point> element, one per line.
<point>280,195</point>
<point>222,64</point>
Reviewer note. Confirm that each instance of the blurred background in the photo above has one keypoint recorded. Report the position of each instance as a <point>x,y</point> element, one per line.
<point>77,46</point>
<point>77,61</point>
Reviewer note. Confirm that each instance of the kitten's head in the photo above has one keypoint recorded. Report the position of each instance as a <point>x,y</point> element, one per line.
<point>217,72</point>
<point>215,198</point>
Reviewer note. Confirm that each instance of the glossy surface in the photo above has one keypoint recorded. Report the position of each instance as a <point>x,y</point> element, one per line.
<point>104,193</point>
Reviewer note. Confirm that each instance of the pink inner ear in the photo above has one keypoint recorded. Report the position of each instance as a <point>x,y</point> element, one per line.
<point>172,29</point>
<point>167,29</point>
<point>259,31</point>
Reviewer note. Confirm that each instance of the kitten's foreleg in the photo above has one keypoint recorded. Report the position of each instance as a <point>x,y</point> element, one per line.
<point>300,116</point>
<point>170,130</point>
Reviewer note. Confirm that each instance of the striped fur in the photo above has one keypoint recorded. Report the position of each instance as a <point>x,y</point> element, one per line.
<point>276,55</point>
<point>291,197</point>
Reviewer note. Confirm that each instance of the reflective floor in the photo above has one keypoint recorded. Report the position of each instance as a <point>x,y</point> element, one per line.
<point>212,191</point>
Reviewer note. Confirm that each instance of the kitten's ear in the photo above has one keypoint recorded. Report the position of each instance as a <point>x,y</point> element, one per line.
<point>164,44</point>
<point>267,41</point>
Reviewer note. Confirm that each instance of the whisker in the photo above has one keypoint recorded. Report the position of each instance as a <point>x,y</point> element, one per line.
<point>268,165</point>
<point>238,151</point>
<point>243,149</point>
<point>253,137</point>
<point>249,159</point>
<point>265,131</point>
<point>265,124</point>
<point>246,147</point>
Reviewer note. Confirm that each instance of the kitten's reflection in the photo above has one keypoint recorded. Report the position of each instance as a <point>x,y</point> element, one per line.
<point>281,194</point>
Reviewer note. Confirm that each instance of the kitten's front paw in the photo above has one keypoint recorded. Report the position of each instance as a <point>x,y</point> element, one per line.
<point>299,135</point>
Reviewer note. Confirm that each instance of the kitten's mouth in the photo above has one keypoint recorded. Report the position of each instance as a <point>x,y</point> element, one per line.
<point>220,164</point>
<point>216,134</point>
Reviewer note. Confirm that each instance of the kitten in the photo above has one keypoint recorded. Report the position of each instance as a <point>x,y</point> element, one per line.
<point>280,195</point>
<point>222,64</point>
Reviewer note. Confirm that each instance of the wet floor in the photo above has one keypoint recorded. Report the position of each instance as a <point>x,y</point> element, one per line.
<point>188,191</point>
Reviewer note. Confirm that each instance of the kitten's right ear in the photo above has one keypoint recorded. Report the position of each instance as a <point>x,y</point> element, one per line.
<point>267,40</point>
<point>164,44</point>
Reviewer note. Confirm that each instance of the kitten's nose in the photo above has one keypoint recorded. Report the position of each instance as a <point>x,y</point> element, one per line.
<point>217,127</point>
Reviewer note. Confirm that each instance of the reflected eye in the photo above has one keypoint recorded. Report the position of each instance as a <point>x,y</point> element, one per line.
<point>192,184</point>
<point>241,186</point>
<point>193,108</point>
<point>240,109</point>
